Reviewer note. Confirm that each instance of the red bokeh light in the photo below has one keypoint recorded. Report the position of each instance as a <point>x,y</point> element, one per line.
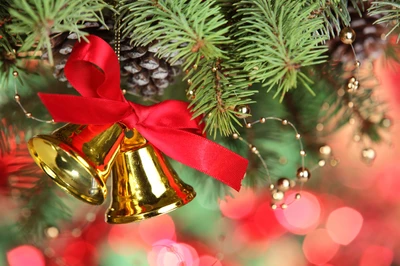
<point>377,256</point>
<point>157,228</point>
<point>344,224</point>
<point>318,247</point>
<point>25,255</point>
<point>302,215</point>
<point>123,238</point>
<point>78,253</point>
<point>209,260</point>
<point>240,205</point>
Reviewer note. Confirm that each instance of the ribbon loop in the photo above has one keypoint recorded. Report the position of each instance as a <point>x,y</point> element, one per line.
<point>93,70</point>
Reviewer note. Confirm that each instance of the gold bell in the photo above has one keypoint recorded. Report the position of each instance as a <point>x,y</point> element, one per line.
<point>79,158</point>
<point>144,183</point>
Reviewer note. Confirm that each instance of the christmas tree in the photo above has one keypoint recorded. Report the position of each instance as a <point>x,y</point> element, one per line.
<point>300,92</point>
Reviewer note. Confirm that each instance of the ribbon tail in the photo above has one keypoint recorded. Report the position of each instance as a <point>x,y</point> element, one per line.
<point>199,153</point>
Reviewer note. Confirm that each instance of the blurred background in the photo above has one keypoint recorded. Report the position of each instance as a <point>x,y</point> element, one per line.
<point>347,215</point>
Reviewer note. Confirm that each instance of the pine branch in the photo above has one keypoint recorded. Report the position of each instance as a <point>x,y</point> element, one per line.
<point>276,39</point>
<point>45,209</point>
<point>39,19</point>
<point>390,12</point>
<point>218,87</point>
<point>335,14</point>
<point>190,29</point>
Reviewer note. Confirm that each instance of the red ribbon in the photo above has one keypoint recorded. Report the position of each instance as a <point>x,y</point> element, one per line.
<point>93,70</point>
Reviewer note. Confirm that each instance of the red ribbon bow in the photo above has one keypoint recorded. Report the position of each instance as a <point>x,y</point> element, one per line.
<point>93,70</point>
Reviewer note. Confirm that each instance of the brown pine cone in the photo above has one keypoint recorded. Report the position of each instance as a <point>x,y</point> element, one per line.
<point>369,42</point>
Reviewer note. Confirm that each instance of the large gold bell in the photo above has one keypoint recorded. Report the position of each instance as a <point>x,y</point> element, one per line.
<point>79,158</point>
<point>144,183</point>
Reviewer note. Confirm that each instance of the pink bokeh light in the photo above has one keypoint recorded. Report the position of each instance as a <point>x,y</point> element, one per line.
<point>169,253</point>
<point>318,247</point>
<point>209,260</point>
<point>240,205</point>
<point>344,224</point>
<point>302,215</point>
<point>157,228</point>
<point>25,255</point>
<point>388,183</point>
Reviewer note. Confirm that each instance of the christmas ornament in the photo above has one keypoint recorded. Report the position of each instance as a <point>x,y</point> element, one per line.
<point>303,174</point>
<point>243,111</point>
<point>347,35</point>
<point>144,184</point>
<point>368,155</point>
<point>353,85</point>
<point>284,184</point>
<point>78,158</point>
<point>168,126</point>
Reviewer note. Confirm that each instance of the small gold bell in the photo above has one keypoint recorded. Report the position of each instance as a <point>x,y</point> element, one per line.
<point>144,183</point>
<point>79,158</point>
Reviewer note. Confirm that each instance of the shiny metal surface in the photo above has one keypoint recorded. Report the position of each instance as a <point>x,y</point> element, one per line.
<point>79,158</point>
<point>144,183</point>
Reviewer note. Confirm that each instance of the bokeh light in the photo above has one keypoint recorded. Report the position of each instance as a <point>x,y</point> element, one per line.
<point>344,224</point>
<point>76,253</point>
<point>302,215</point>
<point>388,183</point>
<point>266,223</point>
<point>25,255</point>
<point>157,228</point>
<point>240,205</point>
<point>209,260</point>
<point>285,251</point>
<point>377,256</point>
<point>123,238</point>
<point>318,247</point>
<point>169,253</point>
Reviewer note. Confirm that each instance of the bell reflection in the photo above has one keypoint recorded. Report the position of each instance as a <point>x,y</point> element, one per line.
<point>144,183</point>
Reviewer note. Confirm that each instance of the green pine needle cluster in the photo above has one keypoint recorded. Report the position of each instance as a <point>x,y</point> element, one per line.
<point>335,14</point>
<point>217,88</point>
<point>390,12</point>
<point>189,29</point>
<point>38,20</point>
<point>276,39</point>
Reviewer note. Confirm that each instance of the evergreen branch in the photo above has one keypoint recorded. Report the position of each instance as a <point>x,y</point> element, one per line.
<point>38,19</point>
<point>276,39</point>
<point>45,209</point>
<point>334,14</point>
<point>196,27</point>
<point>390,12</point>
<point>219,87</point>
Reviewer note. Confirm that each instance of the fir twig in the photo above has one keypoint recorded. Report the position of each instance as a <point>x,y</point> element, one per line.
<point>43,209</point>
<point>219,87</point>
<point>189,29</point>
<point>335,14</point>
<point>390,12</point>
<point>38,19</point>
<point>276,39</point>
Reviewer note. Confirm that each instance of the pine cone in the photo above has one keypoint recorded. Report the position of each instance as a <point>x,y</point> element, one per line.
<point>369,42</point>
<point>143,73</point>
